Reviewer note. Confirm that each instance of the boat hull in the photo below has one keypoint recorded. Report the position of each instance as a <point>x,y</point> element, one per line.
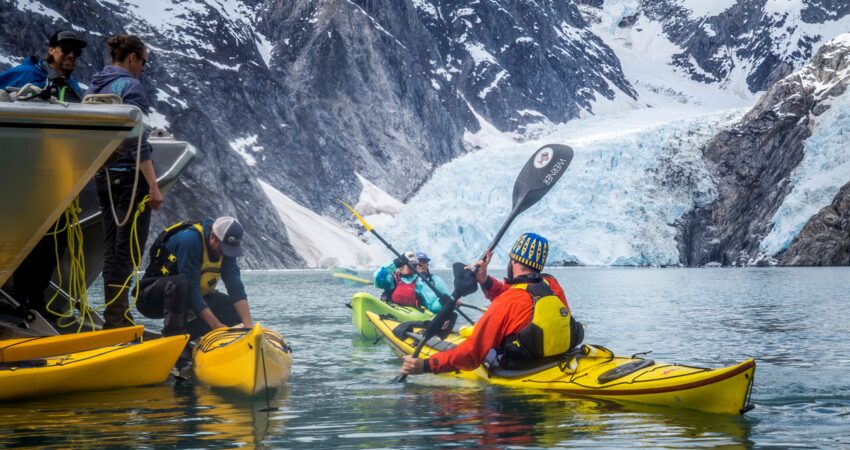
<point>39,347</point>
<point>244,360</point>
<point>47,154</point>
<point>361,303</point>
<point>118,366</point>
<point>588,373</point>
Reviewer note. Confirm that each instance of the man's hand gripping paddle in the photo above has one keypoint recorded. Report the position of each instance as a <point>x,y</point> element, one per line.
<point>537,177</point>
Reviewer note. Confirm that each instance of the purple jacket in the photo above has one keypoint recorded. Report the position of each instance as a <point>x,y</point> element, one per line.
<point>115,80</point>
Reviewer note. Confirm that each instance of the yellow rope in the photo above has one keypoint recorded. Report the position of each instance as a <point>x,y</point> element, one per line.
<point>135,257</point>
<point>77,267</point>
<point>77,289</point>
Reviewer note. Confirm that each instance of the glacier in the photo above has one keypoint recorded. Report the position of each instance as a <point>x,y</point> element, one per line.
<point>825,168</point>
<point>617,204</point>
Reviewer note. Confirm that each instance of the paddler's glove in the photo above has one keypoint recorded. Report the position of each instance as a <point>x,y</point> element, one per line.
<point>465,282</point>
<point>400,262</point>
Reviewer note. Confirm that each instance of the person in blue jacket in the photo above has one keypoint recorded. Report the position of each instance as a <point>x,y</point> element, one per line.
<point>64,48</point>
<point>186,262</point>
<point>115,183</point>
<point>403,287</point>
<point>31,278</point>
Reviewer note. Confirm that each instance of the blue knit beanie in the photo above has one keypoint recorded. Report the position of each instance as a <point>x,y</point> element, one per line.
<point>531,250</point>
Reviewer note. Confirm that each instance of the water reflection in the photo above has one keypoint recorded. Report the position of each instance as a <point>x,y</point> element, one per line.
<point>179,415</point>
<point>230,421</point>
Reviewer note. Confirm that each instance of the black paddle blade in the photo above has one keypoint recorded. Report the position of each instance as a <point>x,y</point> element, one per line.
<point>536,178</point>
<point>540,173</point>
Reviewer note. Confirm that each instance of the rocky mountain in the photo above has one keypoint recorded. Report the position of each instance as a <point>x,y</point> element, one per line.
<point>305,95</point>
<point>754,163</point>
<point>739,45</point>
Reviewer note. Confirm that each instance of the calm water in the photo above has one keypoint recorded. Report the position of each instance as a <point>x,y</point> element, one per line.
<point>341,395</point>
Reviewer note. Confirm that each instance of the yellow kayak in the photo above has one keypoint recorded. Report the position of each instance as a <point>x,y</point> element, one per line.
<point>116,366</point>
<point>595,372</point>
<point>41,346</point>
<point>246,360</point>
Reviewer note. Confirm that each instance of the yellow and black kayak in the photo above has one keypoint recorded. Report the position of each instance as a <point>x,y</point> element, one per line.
<point>594,371</point>
<point>245,360</point>
<point>41,346</point>
<point>116,366</point>
<point>361,303</point>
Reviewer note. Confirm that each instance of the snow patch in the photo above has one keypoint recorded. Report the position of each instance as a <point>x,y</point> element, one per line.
<point>265,48</point>
<point>479,54</point>
<point>499,76</point>
<point>646,58</point>
<point>245,146</point>
<point>163,96</point>
<point>426,7</point>
<point>319,240</point>
<point>4,59</point>
<point>38,8</point>
<point>487,136</point>
<point>377,207</point>
<point>156,119</point>
<point>707,8</point>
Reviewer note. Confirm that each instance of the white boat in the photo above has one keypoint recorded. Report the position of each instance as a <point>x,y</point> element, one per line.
<point>49,154</point>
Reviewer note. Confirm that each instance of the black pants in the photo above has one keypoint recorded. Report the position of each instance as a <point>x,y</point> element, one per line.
<point>117,259</point>
<point>117,263</point>
<point>33,275</point>
<point>167,298</point>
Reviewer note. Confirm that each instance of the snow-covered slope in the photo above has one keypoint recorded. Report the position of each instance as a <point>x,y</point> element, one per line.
<point>740,46</point>
<point>321,241</point>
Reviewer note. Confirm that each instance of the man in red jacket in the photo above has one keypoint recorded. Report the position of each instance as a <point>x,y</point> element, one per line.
<point>528,319</point>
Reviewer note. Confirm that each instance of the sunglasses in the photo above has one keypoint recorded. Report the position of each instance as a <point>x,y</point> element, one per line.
<point>144,60</point>
<point>70,49</point>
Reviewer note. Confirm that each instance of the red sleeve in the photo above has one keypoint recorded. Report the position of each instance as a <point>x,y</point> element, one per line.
<point>496,288</point>
<point>506,315</point>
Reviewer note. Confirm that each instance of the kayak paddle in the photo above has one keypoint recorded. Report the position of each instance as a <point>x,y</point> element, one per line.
<point>348,276</point>
<point>536,178</point>
<point>443,297</point>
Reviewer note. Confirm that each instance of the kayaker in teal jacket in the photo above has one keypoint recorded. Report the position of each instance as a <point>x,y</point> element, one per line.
<point>403,287</point>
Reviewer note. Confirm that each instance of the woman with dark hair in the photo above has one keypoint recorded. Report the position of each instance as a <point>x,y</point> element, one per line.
<point>117,184</point>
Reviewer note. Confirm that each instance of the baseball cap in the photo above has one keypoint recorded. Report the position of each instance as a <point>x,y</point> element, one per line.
<point>229,232</point>
<point>422,257</point>
<point>411,257</point>
<point>66,36</point>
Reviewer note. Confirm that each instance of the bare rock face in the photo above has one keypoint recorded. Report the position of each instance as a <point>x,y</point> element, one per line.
<point>303,94</point>
<point>752,162</point>
<point>825,240</point>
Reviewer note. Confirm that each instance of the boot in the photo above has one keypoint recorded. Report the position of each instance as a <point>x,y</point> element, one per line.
<point>113,316</point>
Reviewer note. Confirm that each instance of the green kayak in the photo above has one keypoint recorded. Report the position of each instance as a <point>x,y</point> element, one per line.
<point>362,302</point>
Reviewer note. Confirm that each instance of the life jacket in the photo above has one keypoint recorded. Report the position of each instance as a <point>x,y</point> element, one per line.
<point>404,294</point>
<point>550,332</point>
<point>164,263</point>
